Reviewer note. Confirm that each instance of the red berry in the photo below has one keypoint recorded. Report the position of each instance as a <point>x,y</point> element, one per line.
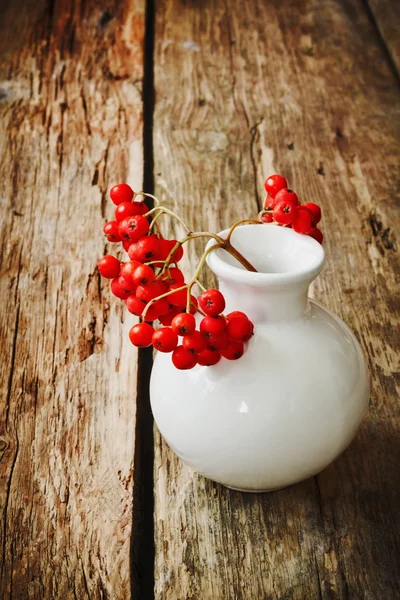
<point>182,359</point>
<point>184,324</point>
<point>218,342</point>
<point>207,357</point>
<point>121,193</point>
<point>316,233</point>
<point>173,309</point>
<point>109,267</point>
<point>129,209</point>
<point>274,184</point>
<point>178,254</point>
<point>194,343</point>
<point>240,329</point>
<point>234,351</point>
<point>314,210</point>
<point>146,249</point>
<point>284,211</point>
<point>143,275</point>
<point>166,319</point>
<point>212,327</point>
<point>212,302</point>
<point>236,313</point>
<point>287,194</point>
<point>126,244</point>
<point>165,339</point>
<point>161,306</point>
<point>141,335</point>
<point>153,312</point>
<point>178,298</point>
<point>169,316</point>
<point>151,290</point>
<point>128,286</point>
<point>127,272</point>
<point>132,251</point>
<point>267,218</point>
<point>111,231</point>
<point>302,221</point>
<point>133,228</point>
<point>135,305</point>
<point>165,247</point>
<point>173,275</point>
<point>118,288</point>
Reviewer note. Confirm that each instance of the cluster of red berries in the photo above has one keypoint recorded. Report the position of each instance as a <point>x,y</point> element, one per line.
<point>283,207</point>
<point>153,289</point>
<point>216,337</point>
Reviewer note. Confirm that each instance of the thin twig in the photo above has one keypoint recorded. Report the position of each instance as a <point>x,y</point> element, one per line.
<point>242,222</point>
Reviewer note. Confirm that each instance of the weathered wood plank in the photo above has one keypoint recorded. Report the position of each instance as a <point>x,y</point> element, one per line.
<point>386,14</point>
<point>71,114</point>
<point>244,89</point>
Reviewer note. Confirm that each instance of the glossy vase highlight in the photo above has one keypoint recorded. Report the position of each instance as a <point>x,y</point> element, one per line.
<point>294,401</point>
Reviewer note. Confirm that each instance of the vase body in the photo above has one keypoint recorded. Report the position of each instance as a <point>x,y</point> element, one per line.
<point>296,398</point>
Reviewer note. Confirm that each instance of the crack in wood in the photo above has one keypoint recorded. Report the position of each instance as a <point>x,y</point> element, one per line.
<point>386,24</point>
<point>12,366</point>
<point>254,138</point>
<point>5,508</point>
<point>142,537</point>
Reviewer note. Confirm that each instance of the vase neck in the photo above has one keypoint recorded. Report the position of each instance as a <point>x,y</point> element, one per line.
<point>266,304</point>
<point>286,263</point>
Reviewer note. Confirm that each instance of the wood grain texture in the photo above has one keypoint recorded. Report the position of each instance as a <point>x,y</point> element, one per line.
<point>386,14</point>
<point>245,89</point>
<point>71,117</point>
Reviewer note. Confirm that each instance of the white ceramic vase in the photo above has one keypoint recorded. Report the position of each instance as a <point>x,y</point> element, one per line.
<point>294,401</point>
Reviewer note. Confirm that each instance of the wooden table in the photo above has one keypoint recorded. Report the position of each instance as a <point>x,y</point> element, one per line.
<point>200,101</point>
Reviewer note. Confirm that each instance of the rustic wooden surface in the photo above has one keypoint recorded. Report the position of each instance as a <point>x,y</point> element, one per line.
<point>244,89</point>
<point>71,115</point>
<point>386,15</point>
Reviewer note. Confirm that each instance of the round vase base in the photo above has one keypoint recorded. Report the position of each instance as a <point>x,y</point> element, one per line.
<point>247,491</point>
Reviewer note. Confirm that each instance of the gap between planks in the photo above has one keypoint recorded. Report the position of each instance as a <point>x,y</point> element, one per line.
<point>142,548</point>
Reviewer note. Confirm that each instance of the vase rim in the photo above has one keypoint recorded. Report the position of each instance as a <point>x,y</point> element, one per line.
<point>305,256</point>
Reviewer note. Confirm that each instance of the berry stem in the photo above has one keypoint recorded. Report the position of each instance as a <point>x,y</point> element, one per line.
<point>226,245</point>
<point>239,257</point>
<point>264,211</point>
<point>198,271</point>
<point>166,211</point>
<point>198,234</point>
<point>201,263</point>
<point>170,255</point>
<point>188,302</point>
<point>157,227</point>
<point>201,286</point>
<point>146,195</point>
<point>242,222</point>
<point>150,302</point>
<point>153,222</point>
<point>155,262</point>
<point>198,309</point>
